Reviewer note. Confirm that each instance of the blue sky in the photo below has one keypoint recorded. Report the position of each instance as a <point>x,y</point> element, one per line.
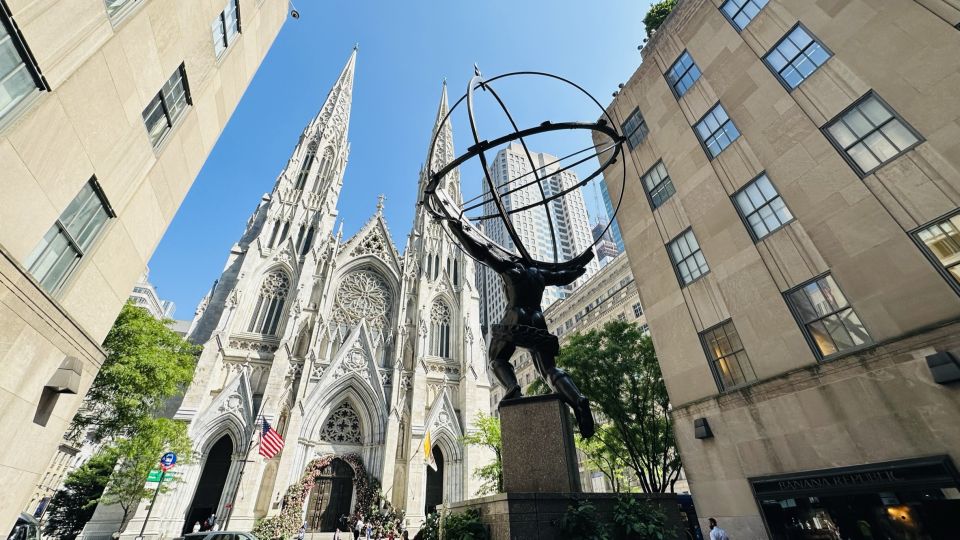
<point>406,50</point>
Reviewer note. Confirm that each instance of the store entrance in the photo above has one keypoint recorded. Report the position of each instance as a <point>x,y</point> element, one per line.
<point>909,500</point>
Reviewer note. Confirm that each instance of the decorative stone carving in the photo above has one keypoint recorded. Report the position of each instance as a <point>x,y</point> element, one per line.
<point>254,345</point>
<point>372,244</point>
<point>233,403</point>
<point>316,372</point>
<point>362,295</point>
<point>355,362</point>
<point>342,426</point>
<point>296,368</point>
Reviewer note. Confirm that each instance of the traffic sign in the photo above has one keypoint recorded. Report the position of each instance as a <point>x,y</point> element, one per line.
<point>167,461</point>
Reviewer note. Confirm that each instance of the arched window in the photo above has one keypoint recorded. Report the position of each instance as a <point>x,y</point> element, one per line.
<point>326,165</point>
<point>440,330</point>
<point>456,273</point>
<point>436,266</point>
<point>342,426</point>
<point>269,310</point>
<point>305,169</point>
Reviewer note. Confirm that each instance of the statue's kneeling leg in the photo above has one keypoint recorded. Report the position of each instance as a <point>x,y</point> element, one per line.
<point>500,354</point>
<point>561,382</point>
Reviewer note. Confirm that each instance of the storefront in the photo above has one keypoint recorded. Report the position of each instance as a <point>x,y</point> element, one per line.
<point>915,499</point>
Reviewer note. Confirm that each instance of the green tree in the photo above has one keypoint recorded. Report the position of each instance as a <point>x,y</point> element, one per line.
<point>657,14</point>
<point>146,364</point>
<point>487,434</point>
<point>72,505</point>
<point>605,453</point>
<point>616,367</point>
<point>137,455</point>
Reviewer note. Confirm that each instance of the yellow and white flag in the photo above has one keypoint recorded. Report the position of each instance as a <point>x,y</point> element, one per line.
<point>428,452</point>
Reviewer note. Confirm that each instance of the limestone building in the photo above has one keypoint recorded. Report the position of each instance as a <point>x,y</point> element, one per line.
<point>344,346</point>
<point>791,214</point>
<point>108,109</point>
<point>145,295</point>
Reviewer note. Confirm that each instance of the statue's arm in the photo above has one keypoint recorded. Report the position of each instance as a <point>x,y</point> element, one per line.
<point>476,246</point>
<point>576,268</point>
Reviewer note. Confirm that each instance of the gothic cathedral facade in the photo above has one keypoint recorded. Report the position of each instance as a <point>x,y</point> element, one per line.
<point>345,347</point>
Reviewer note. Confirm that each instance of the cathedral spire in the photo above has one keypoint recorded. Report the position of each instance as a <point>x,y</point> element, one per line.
<point>335,112</point>
<point>443,151</point>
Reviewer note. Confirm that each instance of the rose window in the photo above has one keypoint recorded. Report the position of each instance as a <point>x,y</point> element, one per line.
<point>342,426</point>
<point>362,295</point>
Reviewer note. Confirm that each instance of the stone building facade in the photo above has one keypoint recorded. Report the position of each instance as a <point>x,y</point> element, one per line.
<point>790,212</point>
<point>108,111</point>
<point>346,347</point>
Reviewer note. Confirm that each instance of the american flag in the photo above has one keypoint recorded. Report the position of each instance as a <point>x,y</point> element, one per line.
<point>271,443</point>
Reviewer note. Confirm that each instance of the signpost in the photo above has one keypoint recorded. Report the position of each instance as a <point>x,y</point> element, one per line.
<point>166,463</point>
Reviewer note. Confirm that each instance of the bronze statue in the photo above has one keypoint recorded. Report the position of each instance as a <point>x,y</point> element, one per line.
<point>524,278</point>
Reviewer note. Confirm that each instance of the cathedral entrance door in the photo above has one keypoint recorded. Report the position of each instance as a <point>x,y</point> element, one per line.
<point>206,498</point>
<point>330,497</point>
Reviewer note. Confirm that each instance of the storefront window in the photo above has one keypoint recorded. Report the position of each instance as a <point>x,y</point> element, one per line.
<point>917,500</point>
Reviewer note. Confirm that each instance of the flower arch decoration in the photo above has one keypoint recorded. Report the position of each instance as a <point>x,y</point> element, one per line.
<point>370,501</point>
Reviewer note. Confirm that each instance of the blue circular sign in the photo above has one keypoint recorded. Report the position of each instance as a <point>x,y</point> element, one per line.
<point>167,460</point>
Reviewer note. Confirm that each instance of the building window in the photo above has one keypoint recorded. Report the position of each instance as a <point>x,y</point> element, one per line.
<point>687,258</point>
<point>741,12</point>
<point>269,309</point>
<point>440,330</point>
<point>796,57</point>
<point>167,106</point>
<point>682,74</point>
<point>637,310</point>
<point>716,131</point>
<point>942,241</point>
<point>305,168</point>
<point>70,237</point>
<point>19,77</point>
<point>658,185</point>
<point>226,27</point>
<point>762,207</point>
<point>870,134</point>
<point>118,9</point>
<point>645,329</point>
<point>635,129</point>
<point>728,360</point>
<point>826,317</point>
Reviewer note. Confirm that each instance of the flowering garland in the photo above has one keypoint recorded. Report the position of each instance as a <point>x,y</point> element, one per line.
<point>370,502</point>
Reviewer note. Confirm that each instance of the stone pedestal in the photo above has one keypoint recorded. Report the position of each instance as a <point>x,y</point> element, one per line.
<point>539,455</point>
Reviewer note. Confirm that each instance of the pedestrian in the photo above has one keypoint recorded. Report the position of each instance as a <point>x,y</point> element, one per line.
<point>358,527</point>
<point>196,527</point>
<point>369,530</point>
<point>716,533</point>
<point>211,522</point>
<point>303,531</point>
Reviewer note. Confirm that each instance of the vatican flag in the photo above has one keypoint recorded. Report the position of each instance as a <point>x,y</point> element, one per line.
<point>428,452</point>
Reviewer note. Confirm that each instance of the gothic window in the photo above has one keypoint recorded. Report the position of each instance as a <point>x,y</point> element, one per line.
<point>362,295</point>
<point>326,164</point>
<point>269,309</point>
<point>305,247</point>
<point>305,169</point>
<point>342,426</point>
<point>436,266</point>
<point>456,273</point>
<point>440,330</point>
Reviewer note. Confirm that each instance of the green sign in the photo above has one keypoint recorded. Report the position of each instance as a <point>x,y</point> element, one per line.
<point>154,475</point>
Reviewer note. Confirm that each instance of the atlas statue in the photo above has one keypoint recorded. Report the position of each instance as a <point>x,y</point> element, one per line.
<point>524,277</point>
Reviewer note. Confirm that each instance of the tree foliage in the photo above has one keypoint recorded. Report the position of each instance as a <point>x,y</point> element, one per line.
<point>72,505</point>
<point>486,433</point>
<point>605,453</point>
<point>657,14</point>
<point>137,455</point>
<point>582,521</point>
<point>146,364</point>
<point>616,368</point>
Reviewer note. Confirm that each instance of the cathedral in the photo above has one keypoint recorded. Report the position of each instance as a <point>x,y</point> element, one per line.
<point>345,347</point>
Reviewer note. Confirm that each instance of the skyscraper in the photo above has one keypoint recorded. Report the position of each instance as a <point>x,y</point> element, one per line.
<point>570,222</point>
<point>614,227</point>
<point>604,245</point>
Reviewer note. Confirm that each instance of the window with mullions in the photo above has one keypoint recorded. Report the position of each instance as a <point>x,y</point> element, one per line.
<point>716,131</point>
<point>741,12</point>
<point>942,240</point>
<point>118,9</point>
<point>70,238</point>
<point>688,260</point>
<point>728,359</point>
<point>226,27</point>
<point>657,184</point>
<point>18,77</point>
<point>682,74</point>
<point>761,207</point>
<point>870,134</point>
<point>635,129</point>
<point>637,310</point>
<point>796,57</point>
<point>167,106</point>
<point>827,319</point>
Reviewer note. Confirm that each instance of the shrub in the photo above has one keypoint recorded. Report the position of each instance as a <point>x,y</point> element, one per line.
<point>581,521</point>
<point>657,14</point>
<point>640,520</point>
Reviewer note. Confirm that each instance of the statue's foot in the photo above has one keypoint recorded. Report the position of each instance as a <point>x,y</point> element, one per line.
<point>513,393</point>
<point>584,417</point>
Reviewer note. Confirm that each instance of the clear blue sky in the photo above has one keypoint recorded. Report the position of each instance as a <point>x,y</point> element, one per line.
<point>406,50</point>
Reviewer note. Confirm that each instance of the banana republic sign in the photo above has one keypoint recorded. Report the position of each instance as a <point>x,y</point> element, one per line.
<point>925,471</point>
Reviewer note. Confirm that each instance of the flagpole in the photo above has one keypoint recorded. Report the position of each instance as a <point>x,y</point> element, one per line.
<point>243,464</point>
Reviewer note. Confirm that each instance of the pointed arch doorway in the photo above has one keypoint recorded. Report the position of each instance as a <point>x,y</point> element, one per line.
<point>434,496</point>
<point>331,496</point>
<point>213,478</point>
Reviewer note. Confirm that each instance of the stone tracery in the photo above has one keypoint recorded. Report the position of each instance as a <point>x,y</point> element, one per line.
<point>342,426</point>
<point>362,295</point>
